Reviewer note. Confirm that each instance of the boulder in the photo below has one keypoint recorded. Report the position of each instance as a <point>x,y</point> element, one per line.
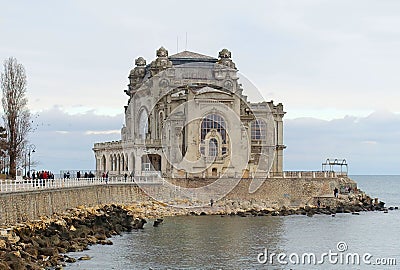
<point>69,259</point>
<point>4,266</point>
<point>138,223</point>
<point>3,244</point>
<point>157,222</point>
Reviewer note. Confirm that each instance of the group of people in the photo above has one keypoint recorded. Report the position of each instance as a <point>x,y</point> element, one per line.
<point>343,190</point>
<point>131,175</point>
<point>67,175</point>
<point>42,175</point>
<point>85,175</point>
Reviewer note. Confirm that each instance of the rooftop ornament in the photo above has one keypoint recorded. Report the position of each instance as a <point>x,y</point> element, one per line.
<point>225,59</point>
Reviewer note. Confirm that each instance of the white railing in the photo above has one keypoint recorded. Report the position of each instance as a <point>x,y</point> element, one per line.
<point>306,174</point>
<point>9,185</point>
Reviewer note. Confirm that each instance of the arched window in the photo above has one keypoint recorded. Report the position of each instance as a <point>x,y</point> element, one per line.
<point>213,147</point>
<point>159,124</point>
<point>111,163</point>
<point>103,164</point>
<point>258,130</point>
<point>213,121</point>
<point>143,124</point>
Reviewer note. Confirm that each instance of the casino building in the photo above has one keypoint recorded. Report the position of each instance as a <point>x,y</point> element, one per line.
<point>187,116</point>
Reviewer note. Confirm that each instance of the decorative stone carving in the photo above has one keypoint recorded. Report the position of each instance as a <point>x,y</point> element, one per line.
<point>161,63</point>
<point>228,85</point>
<point>164,83</point>
<point>225,53</point>
<point>137,74</point>
<point>225,59</point>
<point>140,62</point>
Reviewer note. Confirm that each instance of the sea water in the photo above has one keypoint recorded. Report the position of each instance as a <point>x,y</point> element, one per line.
<point>344,241</point>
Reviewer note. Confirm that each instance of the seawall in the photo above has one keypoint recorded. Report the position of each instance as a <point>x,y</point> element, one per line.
<point>273,192</point>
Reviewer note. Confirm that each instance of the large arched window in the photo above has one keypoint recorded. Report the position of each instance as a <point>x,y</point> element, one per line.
<point>258,130</point>
<point>216,122</point>
<point>213,147</point>
<point>143,124</point>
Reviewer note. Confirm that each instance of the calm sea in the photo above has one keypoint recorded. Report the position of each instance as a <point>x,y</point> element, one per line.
<point>213,242</point>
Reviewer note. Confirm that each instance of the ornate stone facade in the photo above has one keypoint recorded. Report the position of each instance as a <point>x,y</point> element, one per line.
<point>187,117</point>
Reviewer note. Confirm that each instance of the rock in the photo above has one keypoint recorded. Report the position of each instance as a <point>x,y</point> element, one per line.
<point>69,259</point>
<point>32,251</point>
<point>74,247</point>
<point>91,239</point>
<point>157,222</point>
<point>9,236</point>
<point>4,266</point>
<point>100,237</point>
<point>241,214</point>
<point>14,261</point>
<point>84,258</point>
<point>138,223</point>
<point>3,244</point>
<point>54,240</point>
<point>16,265</point>
<point>105,242</point>
<point>275,213</point>
<point>339,209</point>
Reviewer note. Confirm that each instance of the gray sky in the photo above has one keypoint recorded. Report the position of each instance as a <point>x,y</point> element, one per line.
<point>334,61</point>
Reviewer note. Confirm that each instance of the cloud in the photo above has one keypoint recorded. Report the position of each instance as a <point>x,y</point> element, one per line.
<point>62,131</point>
<point>102,132</point>
<point>301,51</point>
<point>370,144</point>
<point>64,141</point>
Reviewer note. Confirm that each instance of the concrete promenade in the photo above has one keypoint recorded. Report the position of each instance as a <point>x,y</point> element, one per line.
<point>28,200</point>
<point>11,185</point>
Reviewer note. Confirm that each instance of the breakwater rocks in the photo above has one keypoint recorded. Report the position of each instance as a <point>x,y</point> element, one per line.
<point>41,244</point>
<point>349,203</point>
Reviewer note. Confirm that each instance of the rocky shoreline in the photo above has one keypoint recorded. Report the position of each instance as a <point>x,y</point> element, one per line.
<point>45,243</point>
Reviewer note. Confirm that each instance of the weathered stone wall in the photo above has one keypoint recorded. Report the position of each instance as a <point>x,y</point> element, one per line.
<point>29,205</point>
<point>276,191</point>
<point>292,192</point>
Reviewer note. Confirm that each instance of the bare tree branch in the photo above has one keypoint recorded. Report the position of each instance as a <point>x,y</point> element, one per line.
<point>16,113</point>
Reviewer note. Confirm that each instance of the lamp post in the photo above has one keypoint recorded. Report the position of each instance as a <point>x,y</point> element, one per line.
<point>31,149</point>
